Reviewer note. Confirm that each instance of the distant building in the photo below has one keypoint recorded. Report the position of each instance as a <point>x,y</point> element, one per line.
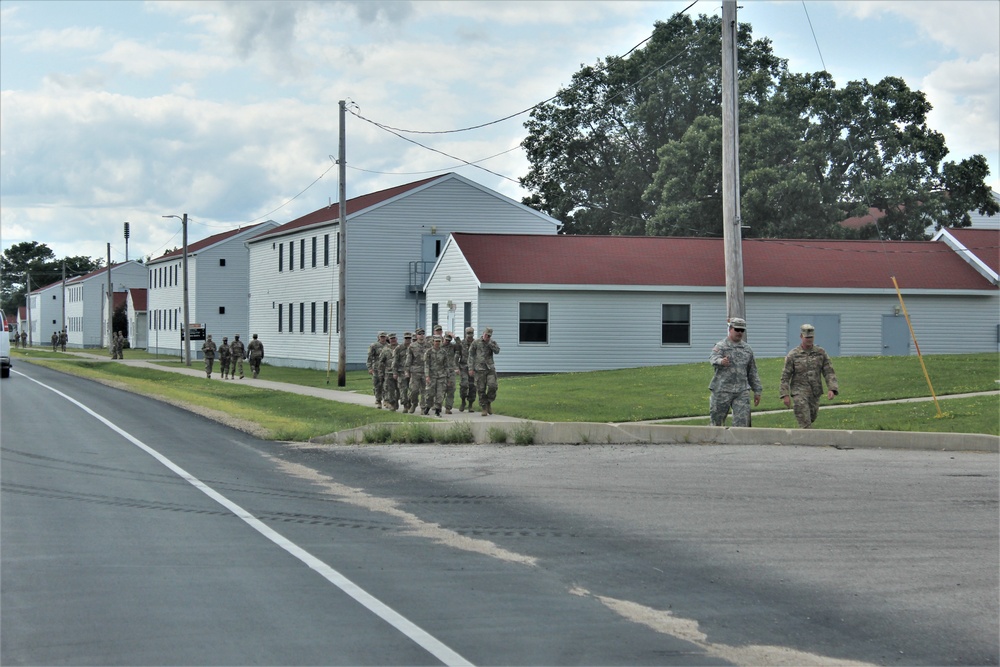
<point>46,313</point>
<point>87,306</point>
<point>218,269</point>
<point>138,329</point>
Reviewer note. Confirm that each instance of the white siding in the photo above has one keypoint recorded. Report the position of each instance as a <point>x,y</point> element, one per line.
<point>90,311</point>
<point>381,242</point>
<point>46,314</point>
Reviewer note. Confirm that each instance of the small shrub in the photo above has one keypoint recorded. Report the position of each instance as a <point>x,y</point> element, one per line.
<point>497,434</point>
<point>379,433</point>
<point>458,433</point>
<point>524,434</point>
<point>413,433</point>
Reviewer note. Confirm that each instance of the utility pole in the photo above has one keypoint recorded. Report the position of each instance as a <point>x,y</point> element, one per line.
<point>342,299</point>
<point>731,226</point>
<point>126,241</point>
<point>111,305</point>
<point>187,318</point>
<point>63,322</point>
<point>27,304</point>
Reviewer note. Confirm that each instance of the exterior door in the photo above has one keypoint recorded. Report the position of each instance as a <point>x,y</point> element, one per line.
<point>895,336</point>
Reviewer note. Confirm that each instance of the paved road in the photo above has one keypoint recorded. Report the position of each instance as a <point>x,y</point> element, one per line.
<point>498,554</point>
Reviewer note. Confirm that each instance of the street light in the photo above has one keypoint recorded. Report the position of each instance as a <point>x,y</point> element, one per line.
<point>187,320</point>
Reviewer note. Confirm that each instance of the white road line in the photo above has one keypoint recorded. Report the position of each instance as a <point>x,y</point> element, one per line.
<point>367,600</point>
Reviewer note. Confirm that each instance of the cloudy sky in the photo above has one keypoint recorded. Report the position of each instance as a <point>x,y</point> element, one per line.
<point>228,111</point>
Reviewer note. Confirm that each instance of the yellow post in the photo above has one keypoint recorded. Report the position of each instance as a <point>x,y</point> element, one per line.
<point>917,345</point>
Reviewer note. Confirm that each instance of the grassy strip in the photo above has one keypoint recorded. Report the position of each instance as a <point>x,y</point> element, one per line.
<point>278,415</point>
<point>979,414</point>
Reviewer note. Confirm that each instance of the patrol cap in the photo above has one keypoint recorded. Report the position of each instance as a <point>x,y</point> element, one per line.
<point>224,339</point>
<point>408,334</point>
<point>436,339</point>
<point>487,331</point>
<point>392,335</point>
<point>438,327</point>
<point>737,323</point>
<point>808,331</point>
<point>381,334</point>
<point>469,330</point>
<point>419,332</point>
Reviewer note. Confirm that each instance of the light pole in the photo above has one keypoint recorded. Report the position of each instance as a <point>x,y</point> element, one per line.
<point>187,320</point>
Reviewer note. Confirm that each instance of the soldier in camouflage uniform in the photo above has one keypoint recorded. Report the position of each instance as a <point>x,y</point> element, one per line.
<point>225,357</point>
<point>378,379</point>
<point>208,349</point>
<point>455,352</point>
<point>239,353</point>
<point>385,366</point>
<point>735,371</point>
<point>802,378</point>
<point>403,381</point>
<point>438,367</point>
<point>467,388</point>
<point>484,371</point>
<point>415,372</point>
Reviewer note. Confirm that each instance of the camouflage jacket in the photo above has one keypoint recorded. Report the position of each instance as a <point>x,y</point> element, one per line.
<point>208,348</point>
<point>386,361</point>
<point>741,372</point>
<point>481,355</point>
<point>438,363</point>
<point>415,358</point>
<point>374,350</point>
<point>224,352</point>
<point>465,344</point>
<point>237,350</point>
<point>804,372</point>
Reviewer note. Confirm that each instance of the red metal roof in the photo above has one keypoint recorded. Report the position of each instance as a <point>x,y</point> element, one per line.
<point>332,213</point>
<point>205,243</point>
<point>983,243</point>
<point>700,262</point>
<point>138,298</point>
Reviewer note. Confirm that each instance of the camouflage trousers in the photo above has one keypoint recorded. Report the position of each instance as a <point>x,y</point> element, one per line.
<point>378,384</point>
<point>436,390</point>
<point>721,402</point>
<point>449,392</point>
<point>389,393</point>
<point>255,364</point>
<point>209,362</point>
<point>236,364</point>
<point>224,363</point>
<point>806,408</point>
<point>403,390</point>
<point>486,386</point>
<point>418,390</point>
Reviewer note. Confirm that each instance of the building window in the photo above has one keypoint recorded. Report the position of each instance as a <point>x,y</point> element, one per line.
<point>434,315</point>
<point>281,308</point>
<point>222,310</point>
<point>281,257</point>
<point>302,317</point>
<point>302,253</point>
<point>291,324</point>
<point>314,253</point>
<point>222,261</point>
<point>326,250</point>
<point>676,324</point>
<point>533,325</point>
<point>291,255</point>
<point>466,316</point>
<point>312,319</point>
<point>338,248</point>
<point>326,317</point>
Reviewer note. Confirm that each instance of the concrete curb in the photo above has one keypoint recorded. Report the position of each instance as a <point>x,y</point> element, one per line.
<point>573,433</point>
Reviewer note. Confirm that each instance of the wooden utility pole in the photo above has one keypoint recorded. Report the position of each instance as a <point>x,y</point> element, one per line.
<point>342,299</point>
<point>731,227</point>
<point>111,305</point>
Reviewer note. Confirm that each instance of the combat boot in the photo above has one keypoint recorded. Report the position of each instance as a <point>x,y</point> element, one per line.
<point>378,404</point>
<point>489,408</point>
<point>461,408</point>
<point>447,411</point>
<point>484,413</point>
<point>437,412</point>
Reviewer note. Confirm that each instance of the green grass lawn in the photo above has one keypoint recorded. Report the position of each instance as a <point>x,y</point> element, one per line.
<point>634,394</point>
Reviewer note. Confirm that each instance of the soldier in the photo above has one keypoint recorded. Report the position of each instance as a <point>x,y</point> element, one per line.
<point>255,353</point>
<point>238,353</point>
<point>400,368</point>
<point>24,339</point>
<point>374,353</point>
<point>438,366</point>
<point>483,370</point>
<point>735,371</point>
<point>414,370</point>
<point>55,341</point>
<point>385,365</point>
<point>467,388</point>
<point>802,378</point>
<point>455,351</point>
<point>113,345</point>
<point>120,345</point>
<point>63,339</point>
<point>225,357</point>
<point>208,348</point>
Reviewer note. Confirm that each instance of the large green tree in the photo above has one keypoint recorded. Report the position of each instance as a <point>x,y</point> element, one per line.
<point>37,260</point>
<point>634,146</point>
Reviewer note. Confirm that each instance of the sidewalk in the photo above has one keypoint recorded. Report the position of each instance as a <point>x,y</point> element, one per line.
<point>657,431</point>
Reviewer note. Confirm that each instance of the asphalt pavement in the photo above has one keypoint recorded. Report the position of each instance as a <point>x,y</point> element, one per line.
<point>646,432</point>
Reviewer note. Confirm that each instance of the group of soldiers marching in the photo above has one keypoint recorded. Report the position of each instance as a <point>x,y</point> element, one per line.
<point>421,373</point>
<point>59,339</point>
<point>232,355</point>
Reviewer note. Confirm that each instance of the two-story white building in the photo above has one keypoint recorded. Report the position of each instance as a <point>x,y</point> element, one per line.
<point>394,236</point>
<point>87,302</point>
<point>46,313</point>
<point>580,303</point>
<point>218,274</point>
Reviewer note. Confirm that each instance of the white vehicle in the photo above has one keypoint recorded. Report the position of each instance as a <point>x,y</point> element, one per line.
<point>4,348</point>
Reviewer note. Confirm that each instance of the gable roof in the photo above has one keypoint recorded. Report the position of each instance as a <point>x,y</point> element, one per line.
<point>97,272</point>
<point>517,259</point>
<point>138,298</point>
<point>983,243</point>
<point>331,214</point>
<point>207,242</point>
